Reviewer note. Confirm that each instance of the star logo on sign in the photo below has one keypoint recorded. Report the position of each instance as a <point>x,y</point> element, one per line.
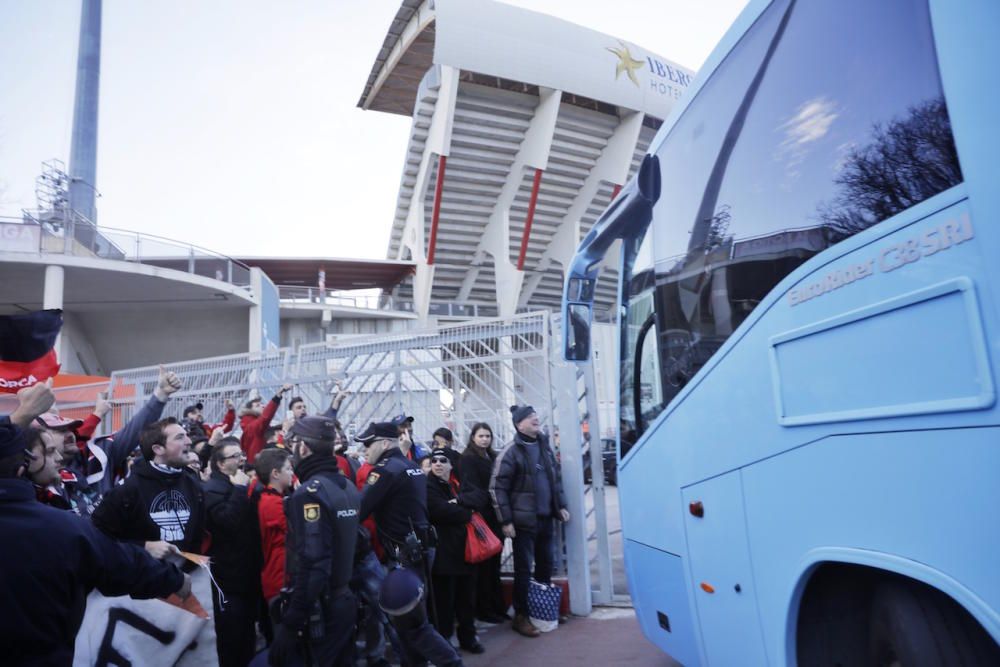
<point>626,63</point>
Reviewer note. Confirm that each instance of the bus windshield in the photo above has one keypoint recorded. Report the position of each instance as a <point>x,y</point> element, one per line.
<point>768,167</point>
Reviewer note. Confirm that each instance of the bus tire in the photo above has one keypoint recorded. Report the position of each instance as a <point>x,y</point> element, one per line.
<point>912,625</point>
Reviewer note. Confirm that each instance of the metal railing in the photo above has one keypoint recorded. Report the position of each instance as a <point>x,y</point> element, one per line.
<point>59,233</point>
<point>300,294</point>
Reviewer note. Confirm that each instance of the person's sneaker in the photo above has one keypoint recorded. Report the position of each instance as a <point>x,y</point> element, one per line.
<point>522,625</point>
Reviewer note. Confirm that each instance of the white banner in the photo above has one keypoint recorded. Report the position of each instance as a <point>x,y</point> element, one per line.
<point>20,238</point>
<point>150,633</point>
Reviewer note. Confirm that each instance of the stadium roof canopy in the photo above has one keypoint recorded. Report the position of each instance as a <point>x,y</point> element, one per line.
<point>524,128</point>
<point>340,274</point>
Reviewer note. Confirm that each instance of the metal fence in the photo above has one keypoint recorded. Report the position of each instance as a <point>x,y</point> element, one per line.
<point>451,376</point>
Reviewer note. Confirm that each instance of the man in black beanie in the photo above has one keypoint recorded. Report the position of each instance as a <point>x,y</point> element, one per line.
<point>527,496</point>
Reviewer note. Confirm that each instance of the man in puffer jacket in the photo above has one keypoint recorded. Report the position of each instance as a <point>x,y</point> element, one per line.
<point>527,495</point>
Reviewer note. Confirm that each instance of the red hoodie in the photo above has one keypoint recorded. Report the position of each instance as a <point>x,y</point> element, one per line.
<point>252,440</point>
<point>273,529</point>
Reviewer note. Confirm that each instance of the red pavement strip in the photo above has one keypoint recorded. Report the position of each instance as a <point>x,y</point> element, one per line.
<point>609,636</point>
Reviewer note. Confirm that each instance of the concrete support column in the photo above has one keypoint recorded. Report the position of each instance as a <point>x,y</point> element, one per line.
<point>52,297</point>
<point>612,166</point>
<point>445,79</point>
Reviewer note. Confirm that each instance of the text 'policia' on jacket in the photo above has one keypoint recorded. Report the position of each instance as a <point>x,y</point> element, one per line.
<point>154,505</point>
<point>322,533</point>
<point>396,492</point>
<point>513,483</point>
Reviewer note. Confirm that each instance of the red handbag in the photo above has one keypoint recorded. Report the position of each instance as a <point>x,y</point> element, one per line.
<point>480,542</point>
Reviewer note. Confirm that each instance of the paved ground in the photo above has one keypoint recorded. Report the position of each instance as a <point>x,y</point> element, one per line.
<point>610,636</point>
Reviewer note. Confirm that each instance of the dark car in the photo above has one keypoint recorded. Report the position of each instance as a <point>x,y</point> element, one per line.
<point>609,455</point>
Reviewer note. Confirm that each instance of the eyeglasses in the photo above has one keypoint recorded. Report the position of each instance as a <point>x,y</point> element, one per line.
<point>241,455</point>
<point>439,459</point>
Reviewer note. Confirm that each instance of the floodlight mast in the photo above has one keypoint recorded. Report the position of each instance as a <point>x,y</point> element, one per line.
<point>83,150</point>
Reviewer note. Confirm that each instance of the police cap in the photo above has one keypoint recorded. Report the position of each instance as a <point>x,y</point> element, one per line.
<point>378,431</point>
<point>314,428</point>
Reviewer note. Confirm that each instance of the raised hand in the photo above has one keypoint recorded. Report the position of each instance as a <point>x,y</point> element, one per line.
<point>167,384</point>
<point>32,401</point>
<point>103,405</point>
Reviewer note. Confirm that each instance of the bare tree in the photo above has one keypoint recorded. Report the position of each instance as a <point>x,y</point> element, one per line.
<point>907,161</point>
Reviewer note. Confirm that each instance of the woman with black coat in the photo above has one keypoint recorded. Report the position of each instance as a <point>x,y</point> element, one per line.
<point>451,576</point>
<point>476,468</point>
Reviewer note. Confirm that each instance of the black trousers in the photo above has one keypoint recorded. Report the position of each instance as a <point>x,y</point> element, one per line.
<point>489,593</point>
<point>453,600</point>
<point>336,647</point>
<point>236,636</point>
<point>531,547</point>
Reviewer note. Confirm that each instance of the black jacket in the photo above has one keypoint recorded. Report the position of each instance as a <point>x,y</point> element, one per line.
<point>322,534</point>
<point>51,560</point>
<point>475,490</point>
<point>152,505</point>
<point>232,521</point>
<point>513,484</point>
<point>449,520</point>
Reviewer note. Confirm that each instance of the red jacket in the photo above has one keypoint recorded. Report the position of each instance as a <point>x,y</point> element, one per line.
<point>369,523</point>
<point>227,423</point>
<point>252,440</point>
<point>273,528</point>
<point>344,465</point>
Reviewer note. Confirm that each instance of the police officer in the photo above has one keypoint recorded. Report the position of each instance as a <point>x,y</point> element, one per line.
<point>396,493</point>
<point>317,624</point>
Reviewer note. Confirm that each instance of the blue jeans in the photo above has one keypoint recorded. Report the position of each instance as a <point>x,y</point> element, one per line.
<point>531,547</point>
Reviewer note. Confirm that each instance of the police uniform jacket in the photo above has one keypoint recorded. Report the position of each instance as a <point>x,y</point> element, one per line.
<point>322,532</point>
<point>51,560</point>
<point>513,483</point>
<point>396,493</point>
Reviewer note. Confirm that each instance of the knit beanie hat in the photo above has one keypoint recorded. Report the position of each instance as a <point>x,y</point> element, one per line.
<point>520,412</point>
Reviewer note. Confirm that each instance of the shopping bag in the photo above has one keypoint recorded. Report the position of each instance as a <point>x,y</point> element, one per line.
<point>543,605</point>
<point>480,542</point>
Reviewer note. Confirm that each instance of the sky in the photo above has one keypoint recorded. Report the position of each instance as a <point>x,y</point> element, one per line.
<point>233,124</point>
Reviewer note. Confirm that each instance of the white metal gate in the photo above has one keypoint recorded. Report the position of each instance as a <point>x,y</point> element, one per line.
<point>452,376</point>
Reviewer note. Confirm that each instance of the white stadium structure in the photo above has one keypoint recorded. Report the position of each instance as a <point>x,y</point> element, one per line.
<point>524,127</point>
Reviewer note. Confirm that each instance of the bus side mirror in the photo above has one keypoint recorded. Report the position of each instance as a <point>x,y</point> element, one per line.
<point>577,334</point>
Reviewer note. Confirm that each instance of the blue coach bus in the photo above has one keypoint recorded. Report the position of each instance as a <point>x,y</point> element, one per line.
<point>809,464</point>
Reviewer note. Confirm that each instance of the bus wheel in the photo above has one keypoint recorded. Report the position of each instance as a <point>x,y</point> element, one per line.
<point>913,625</point>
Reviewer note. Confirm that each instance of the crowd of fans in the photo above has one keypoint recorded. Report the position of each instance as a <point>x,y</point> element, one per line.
<point>161,488</point>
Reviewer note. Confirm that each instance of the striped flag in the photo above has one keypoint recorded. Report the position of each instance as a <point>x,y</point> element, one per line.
<point>27,354</point>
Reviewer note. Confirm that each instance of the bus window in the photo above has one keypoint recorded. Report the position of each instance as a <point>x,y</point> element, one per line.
<point>641,395</point>
<point>826,118</point>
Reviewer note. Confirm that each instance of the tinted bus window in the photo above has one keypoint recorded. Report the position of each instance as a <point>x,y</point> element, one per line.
<point>827,118</point>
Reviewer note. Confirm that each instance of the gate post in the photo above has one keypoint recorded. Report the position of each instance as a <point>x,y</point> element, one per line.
<point>564,389</point>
